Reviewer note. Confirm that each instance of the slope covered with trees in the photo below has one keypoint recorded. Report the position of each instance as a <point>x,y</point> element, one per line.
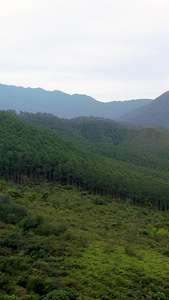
<point>83,209</point>
<point>32,152</point>
<point>154,141</point>
<point>108,137</point>
<point>57,242</point>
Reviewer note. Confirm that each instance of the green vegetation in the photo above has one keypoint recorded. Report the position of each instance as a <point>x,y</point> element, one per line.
<point>102,156</point>
<point>75,245</point>
<point>84,209</point>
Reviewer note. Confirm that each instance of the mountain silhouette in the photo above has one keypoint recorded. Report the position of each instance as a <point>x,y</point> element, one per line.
<point>155,113</point>
<point>63,105</point>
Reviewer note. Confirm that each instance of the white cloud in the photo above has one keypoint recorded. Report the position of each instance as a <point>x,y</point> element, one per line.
<point>107,49</point>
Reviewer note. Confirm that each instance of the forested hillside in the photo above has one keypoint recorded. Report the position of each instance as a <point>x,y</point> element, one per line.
<point>105,164</point>
<point>83,209</point>
<point>101,130</point>
<point>57,242</point>
<point>99,133</point>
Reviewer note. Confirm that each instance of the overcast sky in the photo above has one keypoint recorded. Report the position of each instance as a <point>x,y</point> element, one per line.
<point>108,49</point>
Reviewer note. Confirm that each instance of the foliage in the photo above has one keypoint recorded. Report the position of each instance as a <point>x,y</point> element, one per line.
<point>83,218</point>
<point>104,157</point>
<point>57,295</point>
<point>88,247</point>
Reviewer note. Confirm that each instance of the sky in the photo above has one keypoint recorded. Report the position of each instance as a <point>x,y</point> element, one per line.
<point>107,49</point>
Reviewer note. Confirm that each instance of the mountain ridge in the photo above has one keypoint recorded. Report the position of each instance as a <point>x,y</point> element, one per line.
<point>62,104</point>
<point>153,114</point>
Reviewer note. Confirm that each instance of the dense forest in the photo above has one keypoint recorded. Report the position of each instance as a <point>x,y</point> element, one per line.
<point>57,242</point>
<point>83,209</point>
<point>94,154</point>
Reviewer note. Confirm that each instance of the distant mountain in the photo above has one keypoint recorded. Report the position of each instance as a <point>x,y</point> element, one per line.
<point>63,105</point>
<point>155,113</point>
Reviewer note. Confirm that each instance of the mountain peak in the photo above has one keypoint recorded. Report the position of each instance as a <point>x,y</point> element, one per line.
<point>163,97</point>
<point>154,114</point>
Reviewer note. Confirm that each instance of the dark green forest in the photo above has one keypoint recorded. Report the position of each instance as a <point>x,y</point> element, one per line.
<point>83,209</point>
<point>93,154</point>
